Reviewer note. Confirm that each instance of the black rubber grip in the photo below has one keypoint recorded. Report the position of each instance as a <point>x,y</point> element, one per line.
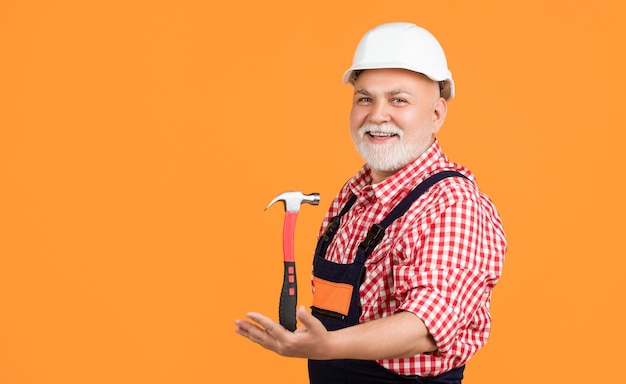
<point>288,297</point>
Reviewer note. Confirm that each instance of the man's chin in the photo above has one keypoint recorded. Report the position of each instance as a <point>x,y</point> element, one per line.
<point>384,159</point>
<point>385,166</point>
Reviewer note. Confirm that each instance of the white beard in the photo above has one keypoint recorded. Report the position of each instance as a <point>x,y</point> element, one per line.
<point>387,157</point>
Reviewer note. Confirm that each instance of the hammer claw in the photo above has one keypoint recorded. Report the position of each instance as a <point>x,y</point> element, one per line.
<point>293,200</point>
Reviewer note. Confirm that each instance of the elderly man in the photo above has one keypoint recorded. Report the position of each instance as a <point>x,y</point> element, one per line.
<point>410,249</point>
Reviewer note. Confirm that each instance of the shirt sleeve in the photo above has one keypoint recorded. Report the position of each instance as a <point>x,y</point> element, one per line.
<point>449,272</point>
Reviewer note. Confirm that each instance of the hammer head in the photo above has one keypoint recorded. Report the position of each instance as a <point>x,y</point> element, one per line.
<point>294,199</point>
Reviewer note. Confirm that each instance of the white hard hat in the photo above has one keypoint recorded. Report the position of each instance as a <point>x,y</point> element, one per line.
<point>403,45</point>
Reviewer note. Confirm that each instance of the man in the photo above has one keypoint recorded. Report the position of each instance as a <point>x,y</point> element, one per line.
<point>406,262</point>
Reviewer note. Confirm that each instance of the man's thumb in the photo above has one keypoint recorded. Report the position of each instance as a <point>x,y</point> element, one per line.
<point>303,315</point>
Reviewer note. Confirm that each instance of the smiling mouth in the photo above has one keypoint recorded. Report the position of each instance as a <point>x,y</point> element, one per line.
<point>381,135</point>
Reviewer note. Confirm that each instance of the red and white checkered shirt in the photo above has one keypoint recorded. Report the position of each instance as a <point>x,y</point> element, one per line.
<point>440,260</point>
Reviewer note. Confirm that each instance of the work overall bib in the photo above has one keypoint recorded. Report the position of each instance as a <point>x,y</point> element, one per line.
<point>336,300</point>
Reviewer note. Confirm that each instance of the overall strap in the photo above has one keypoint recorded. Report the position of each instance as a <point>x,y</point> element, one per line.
<point>331,228</point>
<point>377,232</point>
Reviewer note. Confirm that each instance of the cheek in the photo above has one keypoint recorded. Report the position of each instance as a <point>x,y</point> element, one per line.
<point>357,117</point>
<point>406,118</point>
<point>416,123</point>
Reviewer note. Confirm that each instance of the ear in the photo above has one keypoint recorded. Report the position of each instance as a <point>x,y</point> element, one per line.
<point>440,110</point>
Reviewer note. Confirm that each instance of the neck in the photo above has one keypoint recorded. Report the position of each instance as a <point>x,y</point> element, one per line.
<point>380,176</point>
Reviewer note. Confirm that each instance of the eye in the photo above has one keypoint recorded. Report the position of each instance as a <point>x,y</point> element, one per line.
<point>398,100</point>
<point>363,99</point>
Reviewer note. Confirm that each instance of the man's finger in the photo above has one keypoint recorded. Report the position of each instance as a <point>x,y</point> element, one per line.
<point>265,322</point>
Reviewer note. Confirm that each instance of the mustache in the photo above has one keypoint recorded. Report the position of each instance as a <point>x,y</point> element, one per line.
<point>385,129</point>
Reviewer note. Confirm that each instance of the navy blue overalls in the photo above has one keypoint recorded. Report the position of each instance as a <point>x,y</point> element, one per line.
<point>341,282</point>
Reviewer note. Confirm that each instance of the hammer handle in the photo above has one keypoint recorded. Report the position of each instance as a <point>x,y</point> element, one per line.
<point>289,293</point>
<point>288,297</point>
<point>289,230</point>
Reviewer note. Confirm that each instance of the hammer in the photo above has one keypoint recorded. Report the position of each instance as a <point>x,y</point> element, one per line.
<point>289,292</point>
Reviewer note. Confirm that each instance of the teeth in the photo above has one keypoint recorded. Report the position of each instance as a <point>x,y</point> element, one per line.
<point>380,131</point>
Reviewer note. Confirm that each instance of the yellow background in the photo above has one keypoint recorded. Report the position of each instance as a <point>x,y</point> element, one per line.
<point>140,142</point>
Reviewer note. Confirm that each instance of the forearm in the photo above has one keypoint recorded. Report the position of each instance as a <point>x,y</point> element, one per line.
<point>396,336</point>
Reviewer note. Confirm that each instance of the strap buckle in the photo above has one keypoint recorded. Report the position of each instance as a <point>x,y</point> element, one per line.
<point>331,228</point>
<point>374,236</point>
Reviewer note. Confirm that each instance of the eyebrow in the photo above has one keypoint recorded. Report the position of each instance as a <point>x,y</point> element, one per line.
<point>365,92</point>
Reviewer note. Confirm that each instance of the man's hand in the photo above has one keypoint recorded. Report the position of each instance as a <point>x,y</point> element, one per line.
<point>311,340</point>
<point>400,335</point>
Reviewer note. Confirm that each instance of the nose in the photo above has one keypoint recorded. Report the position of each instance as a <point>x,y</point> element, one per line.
<point>379,113</point>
